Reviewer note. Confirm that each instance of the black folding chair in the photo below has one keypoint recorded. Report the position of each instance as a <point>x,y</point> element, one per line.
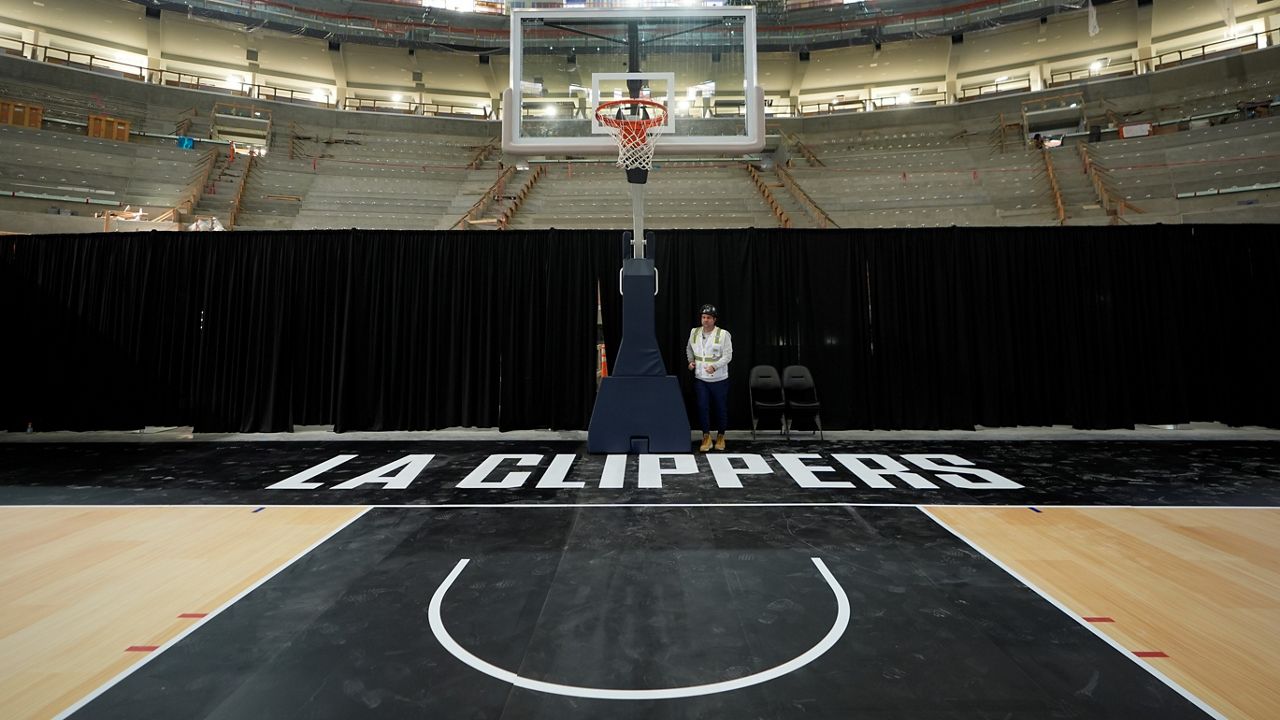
<point>802,397</point>
<point>764,388</point>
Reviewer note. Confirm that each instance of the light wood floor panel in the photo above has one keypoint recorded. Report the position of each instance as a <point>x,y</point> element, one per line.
<point>78,586</point>
<point>1201,585</point>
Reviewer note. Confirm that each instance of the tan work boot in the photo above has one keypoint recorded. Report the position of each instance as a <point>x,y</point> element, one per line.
<point>720,441</point>
<point>706,442</point>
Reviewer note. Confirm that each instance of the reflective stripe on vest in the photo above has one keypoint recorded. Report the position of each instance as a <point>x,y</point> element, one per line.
<point>718,336</point>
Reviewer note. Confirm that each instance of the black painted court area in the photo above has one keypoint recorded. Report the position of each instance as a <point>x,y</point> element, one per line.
<point>603,582</point>
<point>642,598</point>
<point>1061,472</point>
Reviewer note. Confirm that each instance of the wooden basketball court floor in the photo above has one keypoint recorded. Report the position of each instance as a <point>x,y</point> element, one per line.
<point>1082,576</point>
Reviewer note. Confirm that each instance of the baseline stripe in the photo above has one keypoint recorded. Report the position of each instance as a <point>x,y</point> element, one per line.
<point>196,625</point>
<point>1067,611</point>
<point>531,506</point>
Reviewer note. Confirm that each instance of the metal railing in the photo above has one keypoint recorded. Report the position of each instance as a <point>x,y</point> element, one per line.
<point>1055,189</point>
<point>819,215</point>
<point>995,88</point>
<point>1171,58</point>
<point>404,107</point>
<point>766,193</point>
<point>58,56</point>
<point>775,108</point>
<point>786,22</point>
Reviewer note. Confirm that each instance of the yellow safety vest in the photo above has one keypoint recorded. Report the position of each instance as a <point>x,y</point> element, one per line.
<point>717,337</point>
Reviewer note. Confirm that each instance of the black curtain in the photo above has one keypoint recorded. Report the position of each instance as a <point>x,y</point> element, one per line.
<point>257,332</point>
<point>99,332</point>
<point>369,330</point>
<point>962,327</point>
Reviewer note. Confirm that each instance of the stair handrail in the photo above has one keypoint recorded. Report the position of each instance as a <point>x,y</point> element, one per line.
<point>1111,201</point>
<point>493,192</point>
<point>505,218</point>
<point>195,192</point>
<point>819,215</point>
<point>1053,186</point>
<point>783,218</point>
<point>482,154</point>
<point>235,203</point>
<point>809,155</point>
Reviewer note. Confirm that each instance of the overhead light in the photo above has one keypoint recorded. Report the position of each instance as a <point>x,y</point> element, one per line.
<point>549,111</point>
<point>1002,78</point>
<point>396,97</point>
<point>1096,65</point>
<point>904,98</point>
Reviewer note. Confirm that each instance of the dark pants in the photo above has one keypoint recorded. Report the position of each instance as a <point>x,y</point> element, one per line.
<point>712,394</point>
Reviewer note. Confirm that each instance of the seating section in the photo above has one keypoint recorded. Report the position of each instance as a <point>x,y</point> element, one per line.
<point>56,165</point>
<point>933,175</point>
<point>1208,160</point>
<point>314,178</point>
<point>74,107</point>
<point>1152,172</point>
<point>595,195</point>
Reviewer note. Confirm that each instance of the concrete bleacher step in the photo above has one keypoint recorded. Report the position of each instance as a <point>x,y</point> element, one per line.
<point>1025,213</point>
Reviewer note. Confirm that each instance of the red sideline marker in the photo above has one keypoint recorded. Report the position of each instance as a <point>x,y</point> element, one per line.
<point>141,648</point>
<point>193,615</point>
<point>1100,618</point>
<point>1149,653</point>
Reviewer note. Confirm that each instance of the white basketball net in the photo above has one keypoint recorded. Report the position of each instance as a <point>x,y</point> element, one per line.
<point>635,140</point>
<point>633,154</point>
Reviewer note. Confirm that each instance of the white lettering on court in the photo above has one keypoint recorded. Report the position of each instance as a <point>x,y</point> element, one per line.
<point>948,473</point>
<point>555,475</point>
<point>615,471</point>
<point>875,477</point>
<point>477,478</point>
<point>727,476</point>
<point>299,481</point>
<point>804,474</point>
<point>651,470</point>
<point>408,466</point>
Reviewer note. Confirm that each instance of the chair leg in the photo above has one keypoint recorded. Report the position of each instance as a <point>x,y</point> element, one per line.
<point>753,427</point>
<point>817,420</point>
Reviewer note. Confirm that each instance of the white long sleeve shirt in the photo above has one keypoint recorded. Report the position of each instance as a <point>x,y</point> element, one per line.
<point>714,348</point>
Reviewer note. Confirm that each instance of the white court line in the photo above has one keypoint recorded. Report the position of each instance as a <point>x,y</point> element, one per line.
<point>199,623</point>
<point>1067,611</point>
<point>528,506</point>
<point>461,653</point>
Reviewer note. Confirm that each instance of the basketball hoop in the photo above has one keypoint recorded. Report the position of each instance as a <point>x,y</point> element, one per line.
<point>635,142</point>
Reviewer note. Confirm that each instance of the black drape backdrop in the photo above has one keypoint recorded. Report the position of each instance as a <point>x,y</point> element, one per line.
<point>939,328</point>
<point>958,327</point>
<point>260,331</point>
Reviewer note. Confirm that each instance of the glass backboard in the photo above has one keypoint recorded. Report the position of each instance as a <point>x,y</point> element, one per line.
<point>698,62</point>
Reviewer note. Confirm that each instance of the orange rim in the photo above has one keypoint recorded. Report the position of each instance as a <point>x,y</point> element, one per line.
<point>631,124</point>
